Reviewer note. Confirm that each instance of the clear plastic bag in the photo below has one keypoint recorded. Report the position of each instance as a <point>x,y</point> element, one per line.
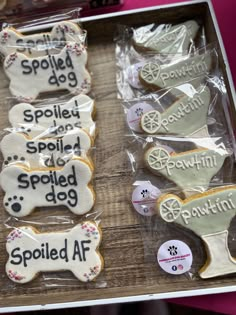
<point>130,61</point>
<point>48,154</point>
<point>176,181</point>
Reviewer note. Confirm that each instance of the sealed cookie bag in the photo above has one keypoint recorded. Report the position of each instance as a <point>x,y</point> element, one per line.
<point>182,153</point>
<point>159,44</point>
<point>50,220</point>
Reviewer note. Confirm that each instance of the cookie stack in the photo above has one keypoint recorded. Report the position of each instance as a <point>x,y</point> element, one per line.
<point>47,153</point>
<point>176,92</point>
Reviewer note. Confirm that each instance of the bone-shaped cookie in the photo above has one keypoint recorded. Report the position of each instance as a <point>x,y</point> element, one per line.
<point>165,39</point>
<point>38,154</point>
<point>55,119</point>
<point>208,215</point>
<point>68,186</point>
<point>186,117</point>
<point>40,44</point>
<point>154,76</point>
<point>64,71</point>
<point>31,252</point>
<point>189,170</point>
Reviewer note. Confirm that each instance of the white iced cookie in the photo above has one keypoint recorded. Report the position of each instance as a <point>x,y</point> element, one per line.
<point>190,170</point>
<point>68,186</point>
<point>40,44</point>
<point>165,38</point>
<point>64,71</point>
<point>154,76</point>
<point>31,252</point>
<point>208,215</point>
<point>39,154</point>
<point>54,120</point>
<point>186,117</point>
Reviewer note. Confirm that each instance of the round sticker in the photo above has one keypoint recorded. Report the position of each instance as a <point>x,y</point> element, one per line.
<point>144,199</point>
<point>133,75</point>
<point>135,113</point>
<point>175,257</point>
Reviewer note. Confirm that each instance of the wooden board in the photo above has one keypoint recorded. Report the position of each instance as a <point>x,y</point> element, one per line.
<point>130,267</point>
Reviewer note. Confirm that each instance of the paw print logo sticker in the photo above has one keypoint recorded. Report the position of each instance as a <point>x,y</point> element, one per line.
<point>144,198</point>
<point>175,257</point>
<point>172,250</point>
<point>144,193</point>
<point>139,111</point>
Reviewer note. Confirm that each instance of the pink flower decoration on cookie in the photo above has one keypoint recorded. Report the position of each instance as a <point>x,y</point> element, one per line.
<point>14,275</point>
<point>13,235</point>
<point>4,37</point>
<point>75,48</point>
<point>10,60</point>
<point>93,272</point>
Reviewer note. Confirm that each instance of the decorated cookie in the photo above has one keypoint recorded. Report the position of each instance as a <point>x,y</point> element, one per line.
<point>189,170</point>
<point>69,186</point>
<point>208,215</point>
<point>41,44</point>
<point>52,152</point>
<point>165,38</point>
<point>54,120</point>
<point>186,117</point>
<point>64,71</point>
<point>154,76</point>
<point>31,252</point>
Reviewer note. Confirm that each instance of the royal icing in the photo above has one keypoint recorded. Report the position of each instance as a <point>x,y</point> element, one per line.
<point>31,252</point>
<point>186,117</point>
<point>52,152</point>
<point>157,76</point>
<point>64,71</point>
<point>54,120</point>
<point>166,38</point>
<point>208,215</point>
<point>188,170</point>
<point>41,44</point>
<point>68,186</point>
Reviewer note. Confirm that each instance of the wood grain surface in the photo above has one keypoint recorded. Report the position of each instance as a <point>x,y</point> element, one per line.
<point>129,243</point>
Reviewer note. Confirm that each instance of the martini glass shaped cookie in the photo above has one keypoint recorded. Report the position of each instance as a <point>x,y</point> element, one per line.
<point>186,117</point>
<point>191,171</point>
<point>165,39</point>
<point>155,77</point>
<point>208,215</point>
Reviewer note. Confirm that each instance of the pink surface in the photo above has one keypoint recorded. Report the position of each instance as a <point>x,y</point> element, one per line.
<point>220,303</point>
<point>226,15</point>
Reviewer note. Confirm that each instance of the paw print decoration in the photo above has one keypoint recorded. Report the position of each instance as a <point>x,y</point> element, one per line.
<point>172,250</point>
<point>14,203</point>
